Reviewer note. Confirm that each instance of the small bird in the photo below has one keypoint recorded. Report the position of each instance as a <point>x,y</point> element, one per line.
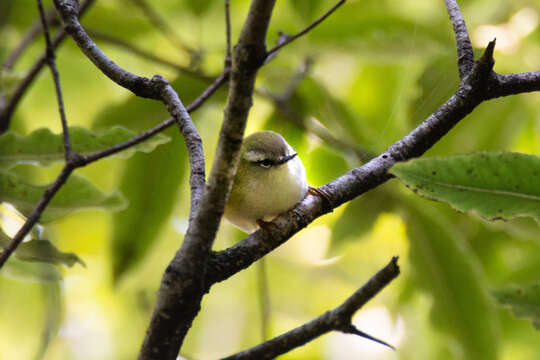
<point>270,180</point>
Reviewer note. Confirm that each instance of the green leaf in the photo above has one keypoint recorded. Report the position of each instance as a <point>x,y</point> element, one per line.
<point>30,271</point>
<point>523,300</point>
<point>360,215</point>
<point>52,297</point>
<point>494,185</point>
<point>76,194</point>
<point>307,9</point>
<point>198,7</point>
<point>313,99</point>
<point>41,250</point>
<point>150,183</point>
<point>444,266</point>
<point>324,164</point>
<point>44,251</point>
<point>43,147</point>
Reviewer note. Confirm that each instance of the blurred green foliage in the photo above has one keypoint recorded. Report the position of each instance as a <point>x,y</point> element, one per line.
<point>378,68</point>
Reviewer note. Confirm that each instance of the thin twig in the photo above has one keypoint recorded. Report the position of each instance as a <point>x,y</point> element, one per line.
<point>36,213</point>
<point>291,38</point>
<point>470,94</point>
<point>170,323</point>
<point>317,129</point>
<point>220,80</point>
<point>139,85</point>
<point>81,161</point>
<point>156,20</point>
<point>282,103</point>
<point>17,94</point>
<point>337,319</point>
<point>28,38</point>
<point>51,60</point>
<point>20,90</point>
<point>228,57</point>
<point>108,38</point>
<point>465,53</point>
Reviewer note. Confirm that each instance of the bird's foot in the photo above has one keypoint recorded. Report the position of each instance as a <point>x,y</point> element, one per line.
<point>323,195</point>
<point>265,225</point>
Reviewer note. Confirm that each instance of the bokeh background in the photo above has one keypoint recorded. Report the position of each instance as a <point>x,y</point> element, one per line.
<point>375,69</point>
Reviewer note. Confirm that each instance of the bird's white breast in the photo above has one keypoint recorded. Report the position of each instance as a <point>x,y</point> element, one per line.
<point>264,197</point>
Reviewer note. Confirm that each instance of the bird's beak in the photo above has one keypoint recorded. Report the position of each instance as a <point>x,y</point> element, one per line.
<point>284,159</point>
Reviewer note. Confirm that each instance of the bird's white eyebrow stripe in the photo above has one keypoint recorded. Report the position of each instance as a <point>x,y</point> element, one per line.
<point>254,156</point>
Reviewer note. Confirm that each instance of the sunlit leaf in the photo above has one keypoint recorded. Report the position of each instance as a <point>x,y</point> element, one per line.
<point>445,267</point>
<point>494,185</point>
<point>523,300</point>
<point>76,194</point>
<point>42,147</point>
<point>30,271</point>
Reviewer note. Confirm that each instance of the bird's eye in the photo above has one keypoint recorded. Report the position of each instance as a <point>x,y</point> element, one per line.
<point>266,163</point>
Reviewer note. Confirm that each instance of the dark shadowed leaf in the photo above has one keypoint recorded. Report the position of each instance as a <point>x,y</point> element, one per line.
<point>150,182</point>
<point>52,297</point>
<point>494,185</point>
<point>42,251</point>
<point>523,300</point>
<point>360,216</point>
<point>444,266</point>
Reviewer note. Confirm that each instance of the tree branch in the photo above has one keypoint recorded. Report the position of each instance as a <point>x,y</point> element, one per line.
<point>465,53</point>
<point>291,38</point>
<point>207,93</point>
<point>179,114</point>
<point>80,161</point>
<point>182,287</point>
<point>511,84</point>
<point>36,213</point>
<point>192,139</point>
<point>471,92</point>
<point>108,38</point>
<point>282,103</point>
<point>139,85</point>
<point>337,319</point>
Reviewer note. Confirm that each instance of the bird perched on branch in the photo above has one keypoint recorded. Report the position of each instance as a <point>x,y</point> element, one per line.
<point>270,180</point>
